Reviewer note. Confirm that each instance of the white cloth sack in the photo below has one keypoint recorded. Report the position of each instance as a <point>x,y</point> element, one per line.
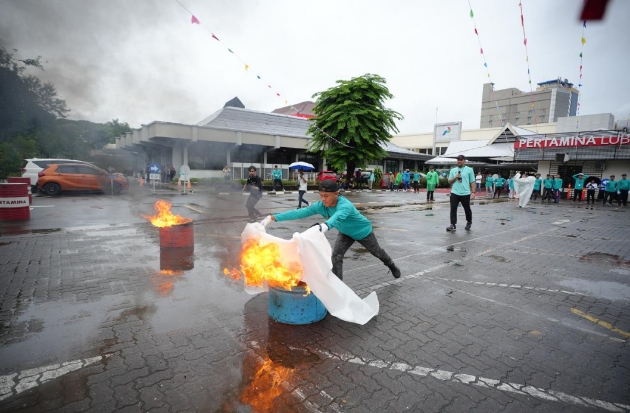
<point>524,188</point>
<point>313,251</point>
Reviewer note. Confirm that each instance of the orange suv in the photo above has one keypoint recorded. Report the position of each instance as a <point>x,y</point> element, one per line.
<point>78,177</point>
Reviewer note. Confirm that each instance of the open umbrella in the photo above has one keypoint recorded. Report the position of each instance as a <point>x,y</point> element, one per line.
<point>302,165</point>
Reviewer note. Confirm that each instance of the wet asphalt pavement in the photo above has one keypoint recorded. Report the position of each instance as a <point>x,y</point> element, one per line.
<point>528,312</point>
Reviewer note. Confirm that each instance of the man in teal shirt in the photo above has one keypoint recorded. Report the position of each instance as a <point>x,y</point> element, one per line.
<point>610,191</point>
<point>579,186</point>
<point>548,189</point>
<point>462,179</point>
<point>341,214</point>
<point>276,174</point>
<point>557,189</point>
<point>489,185</point>
<point>498,185</point>
<point>622,190</point>
<point>537,183</point>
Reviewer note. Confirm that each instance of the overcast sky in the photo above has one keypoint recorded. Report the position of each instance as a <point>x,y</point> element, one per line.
<point>143,60</point>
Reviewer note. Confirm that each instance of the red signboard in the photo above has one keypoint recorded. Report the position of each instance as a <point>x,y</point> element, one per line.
<point>572,141</point>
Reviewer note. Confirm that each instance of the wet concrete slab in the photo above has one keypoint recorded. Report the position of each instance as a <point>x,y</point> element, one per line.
<point>484,319</point>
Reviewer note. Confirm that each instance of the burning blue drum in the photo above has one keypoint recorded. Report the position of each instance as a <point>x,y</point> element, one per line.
<point>293,307</point>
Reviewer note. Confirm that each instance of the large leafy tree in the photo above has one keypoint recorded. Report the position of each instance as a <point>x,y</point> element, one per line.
<point>26,104</point>
<point>352,122</point>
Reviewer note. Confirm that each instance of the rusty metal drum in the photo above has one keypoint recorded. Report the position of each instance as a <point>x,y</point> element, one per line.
<point>293,307</point>
<point>177,236</point>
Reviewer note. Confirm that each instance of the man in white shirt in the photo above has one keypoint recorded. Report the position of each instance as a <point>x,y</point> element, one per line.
<point>478,182</point>
<point>302,189</point>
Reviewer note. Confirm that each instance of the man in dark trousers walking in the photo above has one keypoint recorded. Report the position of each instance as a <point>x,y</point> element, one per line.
<point>254,184</point>
<point>462,179</point>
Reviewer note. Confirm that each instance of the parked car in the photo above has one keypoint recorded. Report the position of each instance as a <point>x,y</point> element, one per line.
<point>324,175</point>
<point>58,178</point>
<point>35,166</point>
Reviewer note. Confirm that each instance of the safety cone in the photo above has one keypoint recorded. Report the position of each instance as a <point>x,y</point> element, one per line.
<point>189,186</point>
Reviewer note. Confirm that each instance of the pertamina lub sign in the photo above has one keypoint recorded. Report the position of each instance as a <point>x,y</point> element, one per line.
<point>573,141</point>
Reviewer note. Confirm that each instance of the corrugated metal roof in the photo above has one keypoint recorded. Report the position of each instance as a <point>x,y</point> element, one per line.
<point>247,120</point>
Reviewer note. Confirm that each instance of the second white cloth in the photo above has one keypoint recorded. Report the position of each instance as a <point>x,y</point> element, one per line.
<point>524,188</point>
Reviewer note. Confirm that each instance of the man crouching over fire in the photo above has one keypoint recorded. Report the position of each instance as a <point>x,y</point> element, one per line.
<point>340,214</point>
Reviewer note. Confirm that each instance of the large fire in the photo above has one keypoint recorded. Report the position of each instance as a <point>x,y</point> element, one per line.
<point>164,217</point>
<point>260,263</point>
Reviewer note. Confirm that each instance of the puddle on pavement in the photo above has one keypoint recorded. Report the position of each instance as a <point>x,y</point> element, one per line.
<point>604,258</point>
<point>497,258</point>
<point>604,289</point>
<point>7,232</point>
<point>273,365</point>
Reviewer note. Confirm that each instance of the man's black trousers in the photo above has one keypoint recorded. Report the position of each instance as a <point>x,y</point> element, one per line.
<point>455,201</point>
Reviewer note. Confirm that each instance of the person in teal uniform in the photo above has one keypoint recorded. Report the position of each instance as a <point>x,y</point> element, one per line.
<point>416,182</point>
<point>579,186</point>
<point>557,189</point>
<point>498,185</point>
<point>342,215</point>
<point>548,189</point>
<point>489,185</point>
<point>462,179</point>
<point>537,183</point>
<point>622,190</point>
<point>610,191</point>
<point>276,174</point>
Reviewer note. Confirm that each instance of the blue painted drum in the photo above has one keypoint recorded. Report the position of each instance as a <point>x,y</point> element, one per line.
<point>293,307</point>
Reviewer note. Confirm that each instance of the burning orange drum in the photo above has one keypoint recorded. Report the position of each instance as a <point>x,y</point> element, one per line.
<point>294,307</point>
<point>177,236</point>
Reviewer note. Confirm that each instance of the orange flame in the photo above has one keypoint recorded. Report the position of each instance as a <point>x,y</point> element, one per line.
<point>260,263</point>
<point>164,217</point>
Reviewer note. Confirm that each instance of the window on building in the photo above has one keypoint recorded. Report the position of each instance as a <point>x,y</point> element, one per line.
<point>529,117</point>
<point>517,121</point>
<point>490,120</point>
<point>411,165</point>
<point>442,150</point>
<point>280,157</point>
<point>542,116</point>
<point>391,165</point>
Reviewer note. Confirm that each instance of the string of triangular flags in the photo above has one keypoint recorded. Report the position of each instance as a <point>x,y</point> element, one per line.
<point>531,90</point>
<point>583,41</point>
<point>195,20</point>
<point>485,63</point>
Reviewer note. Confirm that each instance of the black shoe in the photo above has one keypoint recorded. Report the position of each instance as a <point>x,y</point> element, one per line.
<point>468,225</point>
<point>394,269</point>
<point>451,228</point>
<point>252,220</point>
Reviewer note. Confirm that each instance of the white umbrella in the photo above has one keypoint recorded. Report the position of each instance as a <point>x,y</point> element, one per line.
<point>302,165</point>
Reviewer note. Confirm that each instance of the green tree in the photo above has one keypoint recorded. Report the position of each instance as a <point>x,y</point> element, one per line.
<point>26,104</point>
<point>10,161</point>
<point>117,129</point>
<point>352,122</point>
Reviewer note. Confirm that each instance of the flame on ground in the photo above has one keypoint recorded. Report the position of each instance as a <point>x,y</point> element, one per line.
<point>164,217</point>
<point>260,263</point>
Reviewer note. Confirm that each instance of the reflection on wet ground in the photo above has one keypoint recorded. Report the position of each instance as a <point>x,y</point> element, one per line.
<point>9,231</point>
<point>603,289</point>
